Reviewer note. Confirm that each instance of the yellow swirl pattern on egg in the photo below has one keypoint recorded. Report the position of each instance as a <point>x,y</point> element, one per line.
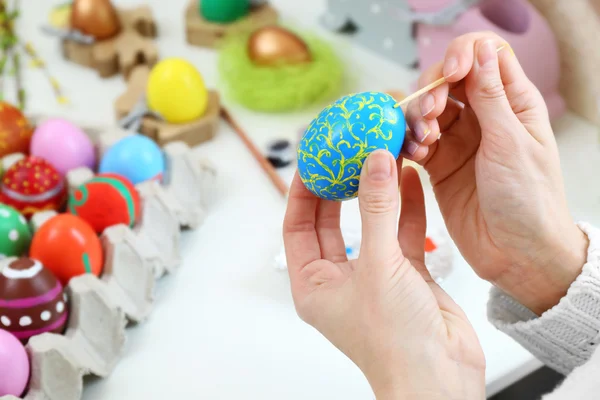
<point>338,141</point>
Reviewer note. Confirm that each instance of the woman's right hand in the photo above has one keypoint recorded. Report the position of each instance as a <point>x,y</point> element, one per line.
<point>496,172</point>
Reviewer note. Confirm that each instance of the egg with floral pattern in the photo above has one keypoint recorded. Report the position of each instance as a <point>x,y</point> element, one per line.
<point>32,185</point>
<point>336,144</point>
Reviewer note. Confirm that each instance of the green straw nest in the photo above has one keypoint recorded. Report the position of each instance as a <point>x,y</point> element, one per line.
<point>282,88</point>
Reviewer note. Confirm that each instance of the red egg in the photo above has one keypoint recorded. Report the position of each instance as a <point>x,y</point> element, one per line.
<point>32,300</point>
<point>68,246</point>
<point>15,130</point>
<point>106,200</point>
<point>32,185</point>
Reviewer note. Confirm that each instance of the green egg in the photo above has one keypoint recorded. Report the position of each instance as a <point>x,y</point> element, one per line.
<point>15,235</point>
<point>224,11</point>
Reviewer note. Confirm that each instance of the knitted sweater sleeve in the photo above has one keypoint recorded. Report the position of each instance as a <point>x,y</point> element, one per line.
<point>566,336</point>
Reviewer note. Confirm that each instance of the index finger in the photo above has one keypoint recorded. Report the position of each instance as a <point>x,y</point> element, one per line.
<point>457,63</point>
<point>299,229</point>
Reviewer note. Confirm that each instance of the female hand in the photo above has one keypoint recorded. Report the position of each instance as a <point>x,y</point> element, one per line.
<point>382,310</point>
<point>496,172</point>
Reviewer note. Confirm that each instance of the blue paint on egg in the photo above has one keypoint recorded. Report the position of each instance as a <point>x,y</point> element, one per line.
<point>337,143</point>
<point>135,157</point>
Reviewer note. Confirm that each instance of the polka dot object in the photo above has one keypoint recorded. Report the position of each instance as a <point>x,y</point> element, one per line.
<point>32,185</point>
<point>69,247</point>
<point>337,143</point>
<point>15,235</point>
<point>29,295</point>
<point>15,130</point>
<point>14,365</point>
<point>106,200</point>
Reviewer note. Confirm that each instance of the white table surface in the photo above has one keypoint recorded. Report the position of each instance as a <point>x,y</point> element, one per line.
<point>224,326</point>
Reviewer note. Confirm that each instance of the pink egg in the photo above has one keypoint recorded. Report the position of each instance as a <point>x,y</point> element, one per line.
<point>64,145</point>
<point>14,365</point>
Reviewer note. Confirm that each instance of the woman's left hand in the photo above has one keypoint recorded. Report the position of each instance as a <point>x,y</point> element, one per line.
<point>382,310</point>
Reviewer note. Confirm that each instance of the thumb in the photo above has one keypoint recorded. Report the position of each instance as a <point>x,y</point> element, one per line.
<point>379,201</point>
<point>486,93</point>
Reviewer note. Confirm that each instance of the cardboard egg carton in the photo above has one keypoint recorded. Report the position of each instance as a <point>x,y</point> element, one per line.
<point>101,307</point>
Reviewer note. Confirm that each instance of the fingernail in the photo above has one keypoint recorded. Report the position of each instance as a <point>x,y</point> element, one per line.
<point>422,130</point>
<point>450,67</point>
<point>427,103</point>
<point>379,166</point>
<point>509,48</point>
<point>486,53</point>
<point>411,147</point>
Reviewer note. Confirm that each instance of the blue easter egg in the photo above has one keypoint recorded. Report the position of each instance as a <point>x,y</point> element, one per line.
<point>135,157</point>
<point>337,143</point>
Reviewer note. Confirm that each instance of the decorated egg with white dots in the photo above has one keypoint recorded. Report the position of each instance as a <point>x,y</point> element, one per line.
<point>32,300</point>
<point>32,185</point>
<point>15,235</point>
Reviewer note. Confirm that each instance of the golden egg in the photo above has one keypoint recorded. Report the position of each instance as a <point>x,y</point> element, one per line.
<point>97,18</point>
<point>274,45</point>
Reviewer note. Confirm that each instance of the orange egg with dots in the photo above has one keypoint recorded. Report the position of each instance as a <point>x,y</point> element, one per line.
<point>69,247</point>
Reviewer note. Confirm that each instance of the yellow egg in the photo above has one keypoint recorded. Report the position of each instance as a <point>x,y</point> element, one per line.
<point>176,91</point>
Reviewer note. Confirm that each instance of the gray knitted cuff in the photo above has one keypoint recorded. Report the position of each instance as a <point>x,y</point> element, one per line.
<point>565,336</point>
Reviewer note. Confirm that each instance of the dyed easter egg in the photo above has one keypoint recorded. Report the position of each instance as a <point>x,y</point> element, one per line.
<point>336,144</point>
<point>176,91</point>
<point>273,46</point>
<point>14,365</point>
<point>68,246</point>
<point>97,18</point>
<point>32,185</point>
<point>15,130</point>
<point>106,200</point>
<point>136,158</point>
<point>224,11</point>
<point>63,145</point>
<point>32,300</point>
<point>15,235</point>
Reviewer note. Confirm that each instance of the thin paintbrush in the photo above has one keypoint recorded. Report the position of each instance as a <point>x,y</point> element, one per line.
<point>429,87</point>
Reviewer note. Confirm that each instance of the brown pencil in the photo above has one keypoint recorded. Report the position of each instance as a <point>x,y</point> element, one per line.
<point>279,183</point>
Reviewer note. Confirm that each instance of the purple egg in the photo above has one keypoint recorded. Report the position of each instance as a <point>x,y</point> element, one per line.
<point>63,145</point>
<point>14,365</point>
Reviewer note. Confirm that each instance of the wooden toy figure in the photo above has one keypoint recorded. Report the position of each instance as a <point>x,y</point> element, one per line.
<point>169,103</point>
<point>111,41</point>
<point>208,21</point>
<point>374,26</point>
